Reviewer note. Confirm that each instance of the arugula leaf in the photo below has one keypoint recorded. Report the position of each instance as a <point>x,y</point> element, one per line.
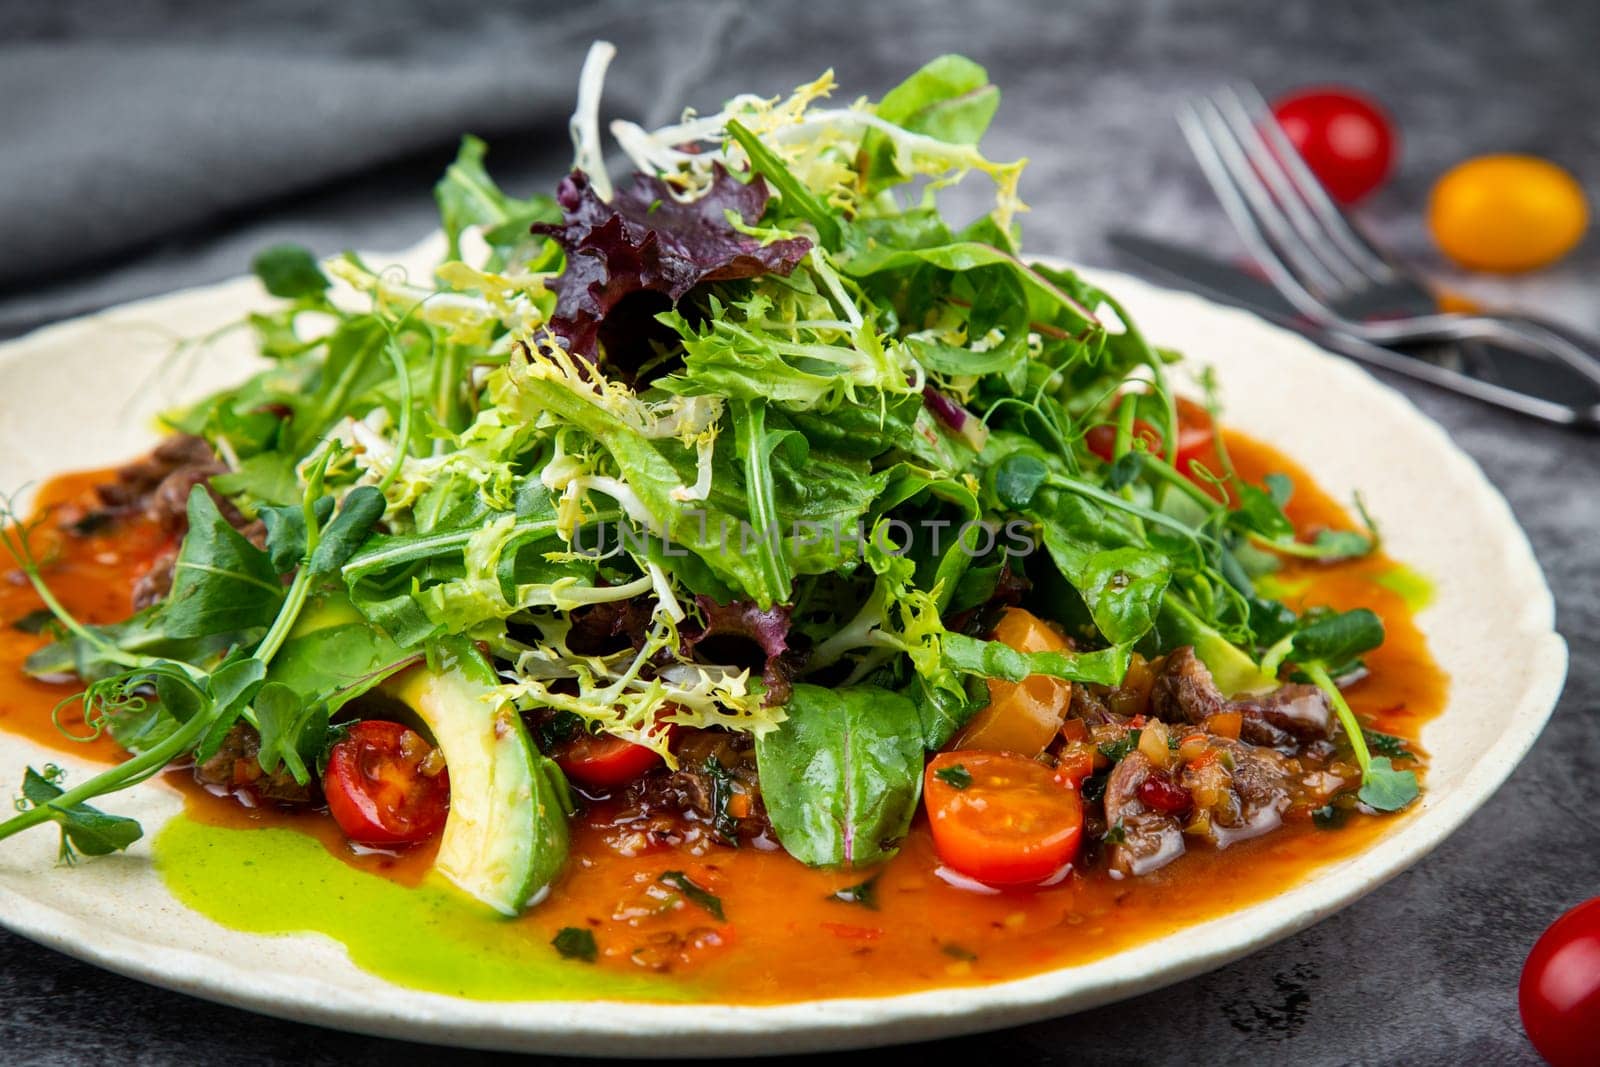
<point>290,271</point>
<point>842,773</point>
<point>144,634</point>
<point>694,893</point>
<point>221,582</point>
<point>363,507</point>
<point>83,828</point>
<point>796,197</point>
<point>995,659</point>
<point>576,943</point>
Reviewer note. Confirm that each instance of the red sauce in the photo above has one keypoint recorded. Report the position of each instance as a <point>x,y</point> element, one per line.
<point>786,937</point>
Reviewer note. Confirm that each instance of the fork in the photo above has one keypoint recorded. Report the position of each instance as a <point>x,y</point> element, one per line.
<point>1317,257</point>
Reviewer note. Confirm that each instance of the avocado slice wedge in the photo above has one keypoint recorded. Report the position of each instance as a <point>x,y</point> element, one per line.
<point>505,839</point>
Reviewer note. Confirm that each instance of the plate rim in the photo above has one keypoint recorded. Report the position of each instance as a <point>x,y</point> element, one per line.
<point>611,1027</point>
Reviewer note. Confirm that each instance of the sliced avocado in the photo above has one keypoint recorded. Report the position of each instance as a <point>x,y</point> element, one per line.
<point>1234,671</point>
<point>506,835</point>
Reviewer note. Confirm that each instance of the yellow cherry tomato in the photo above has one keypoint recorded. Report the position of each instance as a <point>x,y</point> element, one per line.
<point>1507,213</point>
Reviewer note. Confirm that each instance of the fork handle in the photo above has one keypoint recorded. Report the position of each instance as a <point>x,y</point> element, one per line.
<point>1524,335</point>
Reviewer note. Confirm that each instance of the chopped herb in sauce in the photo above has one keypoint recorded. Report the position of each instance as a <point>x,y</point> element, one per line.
<point>863,893</point>
<point>694,894</point>
<point>957,777</point>
<point>576,943</point>
<point>1116,751</point>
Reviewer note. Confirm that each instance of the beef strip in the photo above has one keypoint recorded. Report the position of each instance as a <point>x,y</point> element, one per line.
<point>236,771</point>
<point>1287,718</point>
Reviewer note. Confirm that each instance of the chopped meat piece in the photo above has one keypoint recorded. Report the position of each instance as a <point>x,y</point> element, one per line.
<point>1149,839</point>
<point>158,485</point>
<point>1243,792</point>
<point>700,793</point>
<point>137,480</point>
<point>1184,690</point>
<point>1291,715</point>
<point>1299,710</point>
<point>235,770</point>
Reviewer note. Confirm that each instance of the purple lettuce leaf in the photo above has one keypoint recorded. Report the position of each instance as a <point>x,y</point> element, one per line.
<point>731,628</point>
<point>644,241</point>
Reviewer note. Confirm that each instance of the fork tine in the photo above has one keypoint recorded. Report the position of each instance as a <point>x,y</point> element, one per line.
<point>1368,259</point>
<point>1250,204</point>
<point>1268,165</point>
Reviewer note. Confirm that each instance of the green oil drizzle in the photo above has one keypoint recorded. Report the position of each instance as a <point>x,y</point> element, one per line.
<point>278,881</point>
<point>1414,587</point>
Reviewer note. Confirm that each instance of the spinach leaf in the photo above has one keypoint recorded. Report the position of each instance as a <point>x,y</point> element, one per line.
<point>221,582</point>
<point>943,710</point>
<point>1337,638</point>
<point>842,774</point>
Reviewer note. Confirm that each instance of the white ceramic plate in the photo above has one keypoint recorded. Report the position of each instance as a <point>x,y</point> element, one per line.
<point>81,395</point>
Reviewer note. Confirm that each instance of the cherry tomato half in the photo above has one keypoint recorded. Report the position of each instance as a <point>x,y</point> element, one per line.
<point>1195,434</point>
<point>378,788</point>
<point>1346,139</point>
<point>1001,818</point>
<point>1560,990</point>
<point>604,762</point>
<point>1507,213</point>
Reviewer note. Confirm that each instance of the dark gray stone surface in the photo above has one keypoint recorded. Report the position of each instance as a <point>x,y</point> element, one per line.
<point>149,146</point>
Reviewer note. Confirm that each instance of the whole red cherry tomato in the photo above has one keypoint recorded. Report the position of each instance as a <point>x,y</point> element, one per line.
<point>1195,434</point>
<point>379,787</point>
<point>1346,139</point>
<point>1560,990</point>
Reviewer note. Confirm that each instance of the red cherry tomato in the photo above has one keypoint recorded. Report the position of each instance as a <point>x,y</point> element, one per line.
<point>1346,139</point>
<point>604,762</point>
<point>1195,434</point>
<point>1560,990</point>
<point>1001,818</point>
<point>378,788</point>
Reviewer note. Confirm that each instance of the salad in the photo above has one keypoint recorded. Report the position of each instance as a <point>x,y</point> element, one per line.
<point>749,488</point>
